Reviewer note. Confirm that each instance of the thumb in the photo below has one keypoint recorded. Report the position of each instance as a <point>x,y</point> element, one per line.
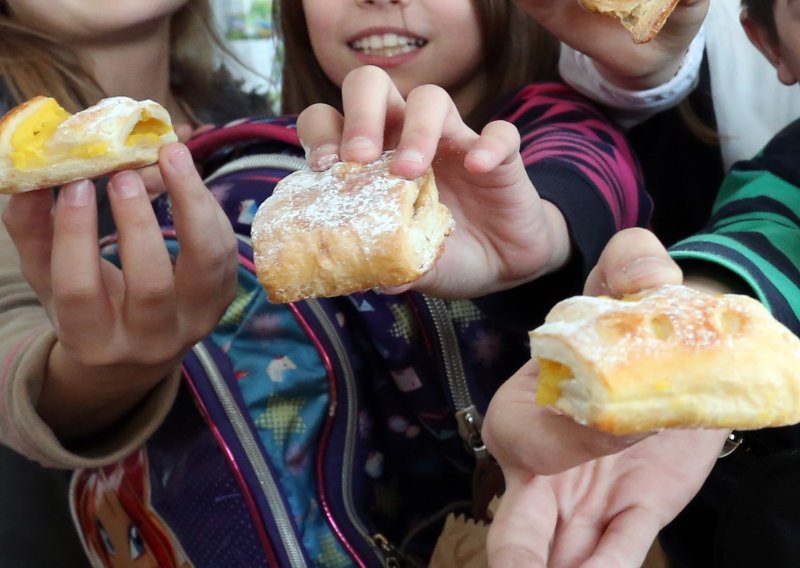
<point>633,260</point>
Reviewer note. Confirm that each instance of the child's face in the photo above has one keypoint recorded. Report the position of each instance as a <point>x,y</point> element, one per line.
<point>81,21</point>
<point>784,51</point>
<point>416,41</point>
<point>787,19</point>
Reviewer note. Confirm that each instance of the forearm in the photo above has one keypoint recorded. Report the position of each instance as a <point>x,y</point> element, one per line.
<point>632,99</point>
<point>78,401</point>
<point>750,245</point>
<point>27,340</point>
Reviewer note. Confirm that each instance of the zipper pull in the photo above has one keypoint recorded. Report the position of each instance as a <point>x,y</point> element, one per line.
<point>392,558</point>
<point>470,423</point>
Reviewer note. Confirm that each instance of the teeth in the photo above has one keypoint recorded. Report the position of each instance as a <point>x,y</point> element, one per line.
<point>387,44</point>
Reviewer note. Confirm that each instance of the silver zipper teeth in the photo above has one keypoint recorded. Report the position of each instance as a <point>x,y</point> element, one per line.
<point>349,380</point>
<point>295,163</point>
<point>281,161</point>
<point>350,437</point>
<point>456,378</point>
<point>251,449</point>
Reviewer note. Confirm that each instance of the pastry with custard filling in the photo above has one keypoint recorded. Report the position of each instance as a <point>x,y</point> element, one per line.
<point>42,145</point>
<point>671,357</point>
<point>349,228</point>
<point>643,18</point>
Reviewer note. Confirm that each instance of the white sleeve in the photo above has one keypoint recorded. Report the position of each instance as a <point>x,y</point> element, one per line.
<point>629,108</point>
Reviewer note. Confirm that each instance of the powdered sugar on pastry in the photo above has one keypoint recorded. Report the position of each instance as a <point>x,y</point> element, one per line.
<point>351,227</point>
<point>346,196</point>
<point>669,357</point>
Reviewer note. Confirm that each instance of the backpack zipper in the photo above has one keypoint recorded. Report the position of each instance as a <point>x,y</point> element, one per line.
<point>329,329</point>
<point>266,482</point>
<point>279,161</point>
<point>469,419</point>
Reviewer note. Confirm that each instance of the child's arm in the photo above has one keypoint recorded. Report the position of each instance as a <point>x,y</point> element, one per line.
<point>582,165</point>
<point>625,64</point>
<point>506,235</point>
<point>752,238</point>
<point>610,496</point>
<point>118,333</point>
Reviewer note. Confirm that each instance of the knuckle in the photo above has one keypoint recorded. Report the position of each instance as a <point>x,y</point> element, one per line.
<point>153,293</point>
<point>73,294</point>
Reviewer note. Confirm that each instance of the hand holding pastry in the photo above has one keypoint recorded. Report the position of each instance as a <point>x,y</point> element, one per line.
<point>505,235</point>
<point>576,496</point>
<point>610,44</point>
<point>120,331</point>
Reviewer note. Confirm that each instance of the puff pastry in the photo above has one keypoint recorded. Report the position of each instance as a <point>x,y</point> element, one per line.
<point>672,357</point>
<point>349,228</point>
<point>643,18</point>
<point>42,145</point>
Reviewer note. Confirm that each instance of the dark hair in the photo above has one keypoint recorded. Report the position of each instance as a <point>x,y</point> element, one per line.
<point>762,13</point>
<point>517,51</point>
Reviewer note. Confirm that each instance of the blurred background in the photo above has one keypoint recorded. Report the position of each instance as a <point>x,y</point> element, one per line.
<point>247,26</point>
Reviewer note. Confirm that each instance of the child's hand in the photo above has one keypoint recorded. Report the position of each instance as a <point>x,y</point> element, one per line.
<point>505,235</point>
<point>609,44</point>
<point>576,496</point>
<point>121,330</point>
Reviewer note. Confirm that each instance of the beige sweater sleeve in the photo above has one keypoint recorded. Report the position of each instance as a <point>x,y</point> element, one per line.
<point>26,338</point>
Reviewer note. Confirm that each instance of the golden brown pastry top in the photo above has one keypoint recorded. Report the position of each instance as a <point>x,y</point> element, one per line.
<point>668,357</point>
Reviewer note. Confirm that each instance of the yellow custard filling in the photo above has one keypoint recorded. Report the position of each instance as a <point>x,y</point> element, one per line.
<point>150,129</point>
<point>551,375</point>
<point>27,141</point>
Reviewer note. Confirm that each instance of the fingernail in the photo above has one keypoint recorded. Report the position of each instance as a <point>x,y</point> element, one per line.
<point>644,267</point>
<point>322,158</point>
<point>180,159</point>
<point>127,185</point>
<point>77,194</point>
<point>481,155</point>
<point>359,144</point>
<point>409,155</point>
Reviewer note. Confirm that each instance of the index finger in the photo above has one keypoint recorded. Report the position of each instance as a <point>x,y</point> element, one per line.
<point>373,111</point>
<point>560,443</point>
<point>205,268</point>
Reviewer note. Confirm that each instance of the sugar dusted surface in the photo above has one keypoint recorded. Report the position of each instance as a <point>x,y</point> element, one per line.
<point>347,195</point>
<point>102,121</point>
<point>610,330</point>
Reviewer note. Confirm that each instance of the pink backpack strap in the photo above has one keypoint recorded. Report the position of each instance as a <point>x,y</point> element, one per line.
<point>206,143</point>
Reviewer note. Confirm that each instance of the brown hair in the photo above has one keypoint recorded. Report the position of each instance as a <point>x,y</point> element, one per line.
<point>762,13</point>
<point>32,63</point>
<point>517,51</point>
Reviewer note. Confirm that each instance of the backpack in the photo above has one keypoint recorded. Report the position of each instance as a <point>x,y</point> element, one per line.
<point>326,432</point>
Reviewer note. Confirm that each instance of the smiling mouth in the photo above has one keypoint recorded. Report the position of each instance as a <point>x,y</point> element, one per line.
<point>387,45</point>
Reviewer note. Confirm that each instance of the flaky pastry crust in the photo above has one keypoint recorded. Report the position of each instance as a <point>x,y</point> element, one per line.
<point>41,145</point>
<point>643,18</point>
<point>349,228</point>
<point>672,357</point>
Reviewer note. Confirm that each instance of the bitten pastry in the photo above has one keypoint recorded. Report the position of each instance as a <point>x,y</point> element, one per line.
<point>671,357</point>
<point>643,18</point>
<point>349,228</point>
<point>42,145</point>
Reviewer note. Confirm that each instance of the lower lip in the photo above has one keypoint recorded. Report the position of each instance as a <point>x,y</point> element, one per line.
<point>384,61</point>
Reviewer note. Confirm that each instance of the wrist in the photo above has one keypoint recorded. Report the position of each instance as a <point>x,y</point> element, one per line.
<point>79,400</point>
<point>655,76</point>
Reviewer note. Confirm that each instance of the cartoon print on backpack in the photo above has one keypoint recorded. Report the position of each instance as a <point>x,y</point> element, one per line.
<point>119,528</point>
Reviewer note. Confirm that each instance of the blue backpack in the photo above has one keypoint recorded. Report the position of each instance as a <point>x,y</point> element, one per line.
<point>328,432</point>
